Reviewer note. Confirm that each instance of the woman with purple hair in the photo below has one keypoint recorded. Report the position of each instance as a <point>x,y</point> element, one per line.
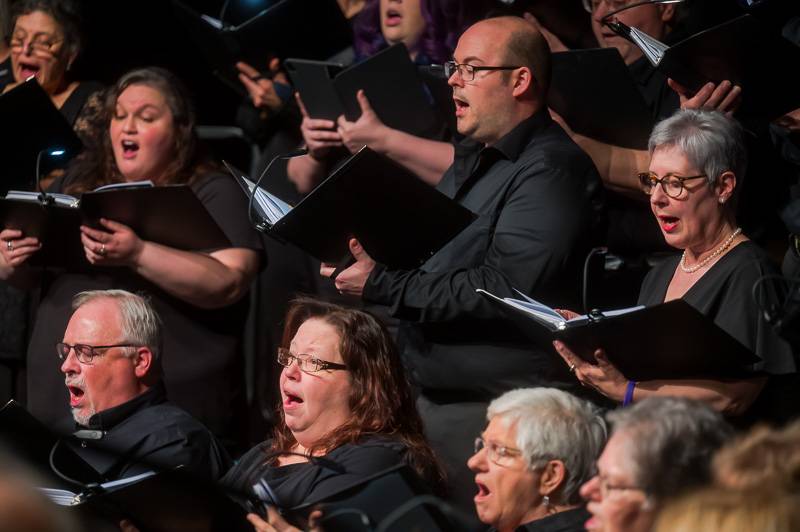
<point>429,29</point>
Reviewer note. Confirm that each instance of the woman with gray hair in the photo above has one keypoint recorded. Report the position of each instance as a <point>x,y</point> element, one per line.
<point>697,158</point>
<point>529,463</point>
<point>659,448</point>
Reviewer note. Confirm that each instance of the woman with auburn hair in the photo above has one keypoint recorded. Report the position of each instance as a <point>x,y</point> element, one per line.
<point>344,398</point>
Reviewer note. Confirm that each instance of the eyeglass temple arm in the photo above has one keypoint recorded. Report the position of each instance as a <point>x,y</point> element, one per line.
<point>607,16</point>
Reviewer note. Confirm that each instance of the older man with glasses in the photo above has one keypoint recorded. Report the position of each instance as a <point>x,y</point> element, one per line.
<point>111,361</point>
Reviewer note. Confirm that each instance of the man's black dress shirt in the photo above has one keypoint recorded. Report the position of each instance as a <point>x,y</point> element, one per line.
<point>536,195</point>
<point>148,433</point>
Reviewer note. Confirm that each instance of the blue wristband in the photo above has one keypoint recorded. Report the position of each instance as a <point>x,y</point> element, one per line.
<point>629,393</point>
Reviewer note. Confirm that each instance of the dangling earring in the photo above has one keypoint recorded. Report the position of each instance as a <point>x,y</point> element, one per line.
<point>546,501</point>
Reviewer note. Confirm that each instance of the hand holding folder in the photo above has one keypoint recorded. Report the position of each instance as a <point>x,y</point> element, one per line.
<point>282,30</point>
<point>170,215</point>
<point>668,341</point>
<point>399,220</point>
<point>741,51</point>
<point>389,79</point>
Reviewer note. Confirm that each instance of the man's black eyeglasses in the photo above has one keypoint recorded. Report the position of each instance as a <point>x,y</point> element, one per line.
<point>467,72</point>
<point>85,353</point>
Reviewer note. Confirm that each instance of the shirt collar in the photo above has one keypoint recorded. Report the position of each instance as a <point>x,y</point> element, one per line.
<point>111,417</point>
<point>515,141</point>
<point>472,156</point>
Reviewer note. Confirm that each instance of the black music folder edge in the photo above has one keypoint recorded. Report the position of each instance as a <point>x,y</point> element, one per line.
<point>170,215</point>
<point>668,341</point>
<point>389,79</point>
<point>595,93</point>
<point>31,124</point>
<point>740,50</point>
<point>399,220</point>
<point>288,28</point>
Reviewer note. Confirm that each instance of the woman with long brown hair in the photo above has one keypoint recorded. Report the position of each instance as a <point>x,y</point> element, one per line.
<point>344,398</point>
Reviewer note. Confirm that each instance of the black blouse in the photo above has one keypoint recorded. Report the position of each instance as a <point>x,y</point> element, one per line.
<point>724,294</point>
<point>295,484</point>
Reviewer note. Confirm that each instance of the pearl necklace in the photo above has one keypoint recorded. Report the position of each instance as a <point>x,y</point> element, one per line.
<point>717,253</point>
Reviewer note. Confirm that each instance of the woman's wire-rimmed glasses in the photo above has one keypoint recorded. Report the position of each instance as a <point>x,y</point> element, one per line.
<point>307,363</point>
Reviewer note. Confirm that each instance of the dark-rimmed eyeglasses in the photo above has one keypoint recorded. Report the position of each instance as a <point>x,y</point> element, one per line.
<point>499,454</point>
<point>307,363</point>
<point>672,185</point>
<point>467,72</point>
<point>83,352</point>
<point>606,487</point>
<point>39,43</point>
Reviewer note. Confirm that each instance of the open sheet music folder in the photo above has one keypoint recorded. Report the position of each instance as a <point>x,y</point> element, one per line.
<point>740,50</point>
<point>158,502</point>
<point>668,341</point>
<point>170,215</point>
<point>389,79</point>
<point>30,123</point>
<point>399,220</point>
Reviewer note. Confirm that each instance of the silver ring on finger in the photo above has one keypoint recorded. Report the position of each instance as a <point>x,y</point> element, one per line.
<point>9,245</point>
<point>102,250</point>
<point>572,368</point>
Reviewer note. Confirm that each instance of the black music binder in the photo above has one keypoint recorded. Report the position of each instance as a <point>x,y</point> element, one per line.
<point>281,30</point>
<point>371,503</point>
<point>388,78</point>
<point>595,93</point>
<point>399,220</point>
<point>740,50</point>
<point>170,215</point>
<point>31,124</point>
<point>668,341</point>
<point>157,502</point>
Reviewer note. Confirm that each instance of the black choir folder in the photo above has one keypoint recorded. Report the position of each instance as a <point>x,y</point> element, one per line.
<point>668,341</point>
<point>30,124</point>
<point>288,28</point>
<point>169,215</point>
<point>391,500</point>
<point>158,502</point>
<point>29,441</point>
<point>154,501</point>
<point>398,219</point>
<point>739,50</point>
<point>611,111</point>
<point>388,78</point>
